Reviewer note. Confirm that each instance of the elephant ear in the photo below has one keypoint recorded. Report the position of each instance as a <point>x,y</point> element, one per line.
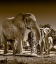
<point>24,16</point>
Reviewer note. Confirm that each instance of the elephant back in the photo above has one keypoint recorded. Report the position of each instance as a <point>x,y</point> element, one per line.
<point>9,30</point>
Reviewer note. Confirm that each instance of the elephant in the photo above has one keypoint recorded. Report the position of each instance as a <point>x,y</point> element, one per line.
<point>45,40</point>
<point>14,29</point>
<point>50,40</point>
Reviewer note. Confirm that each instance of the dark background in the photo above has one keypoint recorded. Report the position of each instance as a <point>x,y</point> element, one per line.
<point>44,11</point>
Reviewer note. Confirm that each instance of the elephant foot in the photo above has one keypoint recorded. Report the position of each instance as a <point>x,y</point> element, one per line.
<point>20,53</point>
<point>46,53</point>
<point>17,53</point>
<point>14,52</point>
<point>38,52</point>
<point>41,53</point>
<point>31,52</point>
<point>5,52</point>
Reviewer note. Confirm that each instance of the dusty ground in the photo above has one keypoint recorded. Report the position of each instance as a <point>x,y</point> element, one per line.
<point>27,58</point>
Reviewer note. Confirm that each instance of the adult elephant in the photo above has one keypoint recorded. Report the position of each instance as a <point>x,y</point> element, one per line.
<point>14,29</point>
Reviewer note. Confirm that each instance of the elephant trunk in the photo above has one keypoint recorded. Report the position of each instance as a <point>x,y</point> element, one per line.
<point>37,32</point>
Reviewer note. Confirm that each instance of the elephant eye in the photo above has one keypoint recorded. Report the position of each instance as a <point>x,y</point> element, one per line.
<point>28,20</point>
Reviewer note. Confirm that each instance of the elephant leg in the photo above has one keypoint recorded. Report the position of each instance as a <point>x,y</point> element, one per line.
<point>5,43</point>
<point>42,47</point>
<point>34,48</point>
<point>5,46</point>
<point>46,46</point>
<point>38,48</point>
<point>31,49</point>
<point>19,47</point>
<point>13,48</point>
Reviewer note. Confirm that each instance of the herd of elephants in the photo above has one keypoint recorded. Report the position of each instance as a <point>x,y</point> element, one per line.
<point>14,29</point>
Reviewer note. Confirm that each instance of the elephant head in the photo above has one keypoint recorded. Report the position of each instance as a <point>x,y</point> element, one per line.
<point>27,20</point>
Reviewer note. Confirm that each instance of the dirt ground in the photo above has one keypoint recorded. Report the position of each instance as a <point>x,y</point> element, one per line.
<point>28,58</point>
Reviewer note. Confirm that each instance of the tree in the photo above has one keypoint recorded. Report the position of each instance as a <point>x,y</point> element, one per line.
<point>45,25</point>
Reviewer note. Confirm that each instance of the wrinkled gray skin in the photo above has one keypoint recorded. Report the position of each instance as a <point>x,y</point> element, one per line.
<point>14,29</point>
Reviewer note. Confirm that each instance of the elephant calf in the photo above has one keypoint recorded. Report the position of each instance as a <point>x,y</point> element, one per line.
<point>46,41</point>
